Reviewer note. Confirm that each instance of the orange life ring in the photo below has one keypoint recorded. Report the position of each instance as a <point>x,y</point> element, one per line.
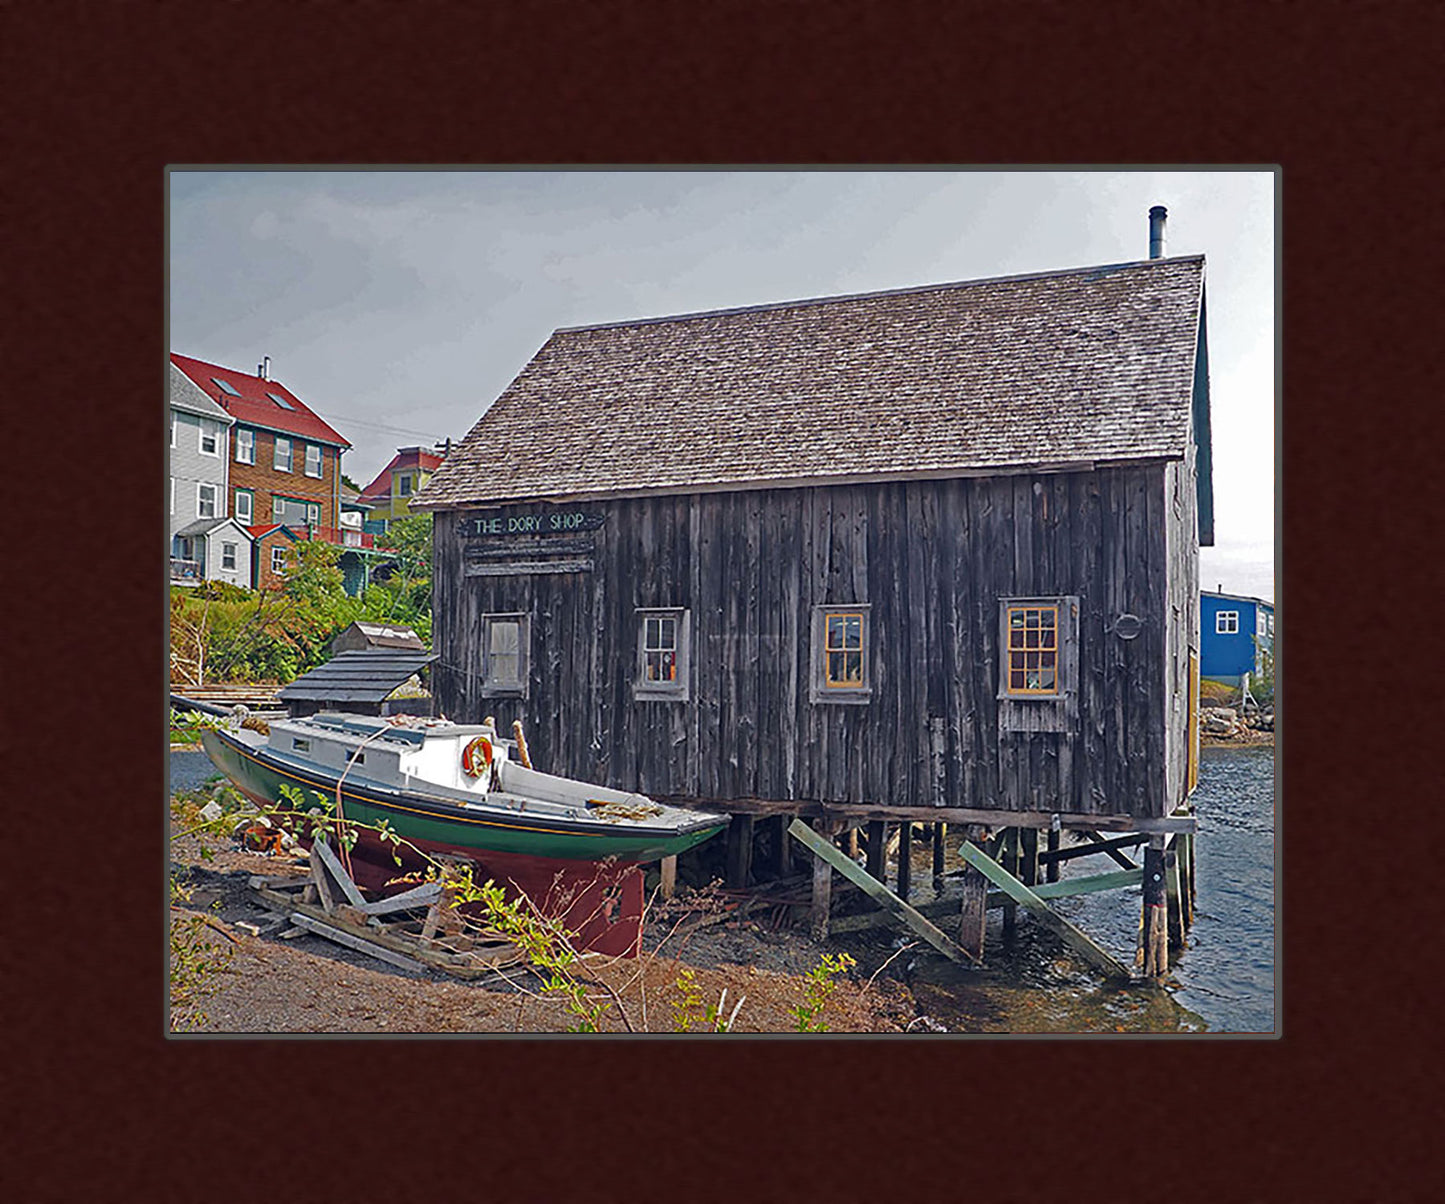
<point>477,757</point>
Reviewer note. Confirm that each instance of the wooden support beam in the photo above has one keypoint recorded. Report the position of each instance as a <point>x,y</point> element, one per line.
<point>877,849</point>
<point>418,896</point>
<point>824,851</point>
<point>1184,846</point>
<point>338,872</point>
<point>370,948</point>
<point>740,852</point>
<point>667,871</point>
<point>939,835</point>
<point>852,844</point>
<point>905,860</point>
<point>1016,890</point>
<point>1029,856</point>
<point>973,907</point>
<point>1094,883</point>
<point>1097,845</point>
<point>319,880</point>
<point>780,847</point>
<point>1152,955</point>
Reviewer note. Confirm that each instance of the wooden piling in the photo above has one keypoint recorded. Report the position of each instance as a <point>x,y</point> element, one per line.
<point>739,852</point>
<point>1052,870</point>
<point>1173,898</point>
<point>877,865</point>
<point>973,909</point>
<point>822,888</point>
<point>1152,956</point>
<point>1029,855</point>
<point>667,870</point>
<point>780,859</point>
<point>939,835</point>
<point>1184,844</point>
<point>852,842</point>
<point>1009,859</point>
<point>905,860</point>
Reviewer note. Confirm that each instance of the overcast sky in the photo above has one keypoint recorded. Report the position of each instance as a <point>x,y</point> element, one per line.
<point>398,305</point>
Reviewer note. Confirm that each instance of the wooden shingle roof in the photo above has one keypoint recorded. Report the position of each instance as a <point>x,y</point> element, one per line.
<point>1070,367</point>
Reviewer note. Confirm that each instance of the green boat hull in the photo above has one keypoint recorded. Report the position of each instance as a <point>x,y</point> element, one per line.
<point>434,825</point>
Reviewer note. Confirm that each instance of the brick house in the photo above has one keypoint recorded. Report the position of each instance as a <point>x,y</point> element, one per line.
<point>284,461</point>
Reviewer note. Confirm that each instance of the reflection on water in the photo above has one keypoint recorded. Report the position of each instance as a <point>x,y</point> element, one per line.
<point>1223,981</point>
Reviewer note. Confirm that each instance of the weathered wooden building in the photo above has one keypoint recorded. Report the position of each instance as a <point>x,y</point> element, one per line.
<point>849,557</point>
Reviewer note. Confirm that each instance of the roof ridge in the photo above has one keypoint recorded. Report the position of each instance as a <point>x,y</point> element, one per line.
<point>886,292</point>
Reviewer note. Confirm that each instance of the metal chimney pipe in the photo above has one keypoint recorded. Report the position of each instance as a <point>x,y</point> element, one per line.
<point>266,366</point>
<point>1156,231</point>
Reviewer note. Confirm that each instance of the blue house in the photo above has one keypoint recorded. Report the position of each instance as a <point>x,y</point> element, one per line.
<point>1234,630</point>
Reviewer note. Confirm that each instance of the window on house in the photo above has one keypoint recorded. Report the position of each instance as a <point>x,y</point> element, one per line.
<point>210,443</point>
<point>245,445</point>
<point>1226,622</point>
<point>225,386</point>
<point>280,401</point>
<point>205,501</point>
<point>1269,625</point>
<point>278,559</point>
<point>1039,662</point>
<point>313,460</point>
<point>504,655</point>
<point>228,556</point>
<point>313,513</point>
<point>840,656</point>
<point>662,653</point>
<point>403,485</point>
<point>245,506</point>
<point>175,422</point>
<point>281,457</point>
<point>1033,649</point>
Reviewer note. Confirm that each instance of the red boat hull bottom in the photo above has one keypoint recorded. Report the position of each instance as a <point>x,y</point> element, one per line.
<point>600,901</point>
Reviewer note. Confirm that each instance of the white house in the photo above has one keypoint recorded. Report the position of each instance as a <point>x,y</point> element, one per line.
<point>200,437</point>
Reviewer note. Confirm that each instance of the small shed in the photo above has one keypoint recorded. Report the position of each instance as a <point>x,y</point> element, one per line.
<point>361,636</point>
<point>362,682</point>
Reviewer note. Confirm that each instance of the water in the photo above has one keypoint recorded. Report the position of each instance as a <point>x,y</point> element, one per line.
<point>1222,981</point>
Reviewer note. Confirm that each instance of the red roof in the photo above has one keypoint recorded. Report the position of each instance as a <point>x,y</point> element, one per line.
<point>251,404</point>
<point>407,457</point>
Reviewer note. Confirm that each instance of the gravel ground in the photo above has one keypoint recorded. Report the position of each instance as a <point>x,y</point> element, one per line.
<point>309,985</point>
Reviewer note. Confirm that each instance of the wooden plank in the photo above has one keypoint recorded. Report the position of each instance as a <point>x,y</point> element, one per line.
<point>1152,957</point>
<point>939,835</point>
<point>905,860</point>
<point>1021,894</point>
<point>361,945</point>
<point>417,896</point>
<point>877,849</point>
<point>338,872</point>
<point>825,852</point>
<point>667,873</point>
<point>998,818</point>
<point>973,907</point>
<point>1010,862</point>
<point>319,880</point>
<point>822,881</point>
<point>1093,883</point>
<point>1097,845</point>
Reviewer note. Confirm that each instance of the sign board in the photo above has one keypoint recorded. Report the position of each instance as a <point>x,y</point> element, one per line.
<point>534,520</point>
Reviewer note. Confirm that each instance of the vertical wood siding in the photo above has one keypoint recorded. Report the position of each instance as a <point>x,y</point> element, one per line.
<point>932,559</point>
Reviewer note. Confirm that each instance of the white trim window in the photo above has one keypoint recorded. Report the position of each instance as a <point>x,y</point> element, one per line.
<point>663,639</point>
<point>173,495</point>
<point>278,558</point>
<point>205,500</point>
<point>245,445</point>
<point>175,423</point>
<point>313,514</point>
<point>210,438</point>
<point>245,507</point>
<point>228,556</point>
<point>313,460</point>
<point>281,455</point>
<point>403,485</point>
<point>1226,622</point>
<point>504,655</point>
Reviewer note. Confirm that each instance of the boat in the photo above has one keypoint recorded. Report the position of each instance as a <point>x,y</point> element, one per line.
<point>450,787</point>
<point>461,790</point>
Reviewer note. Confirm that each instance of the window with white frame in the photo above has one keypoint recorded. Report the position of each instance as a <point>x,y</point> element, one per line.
<point>205,500</point>
<point>228,555</point>
<point>841,653</point>
<point>210,438</point>
<point>281,456</point>
<point>403,485</point>
<point>663,640</point>
<point>278,558</point>
<point>1226,622</point>
<point>175,422</point>
<point>245,506</point>
<point>173,495</point>
<point>313,460</point>
<point>313,513</point>
<point>504,655</point>
<point>245,445</point>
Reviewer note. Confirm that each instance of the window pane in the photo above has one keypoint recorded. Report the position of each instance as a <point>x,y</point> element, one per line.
<point>1046,679</point>
<point>853,667</point>
<point>668,633</point>
<point>835,667</point>
<point>506,638</point>
<point>835,631</point>
<point>653,633</point>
